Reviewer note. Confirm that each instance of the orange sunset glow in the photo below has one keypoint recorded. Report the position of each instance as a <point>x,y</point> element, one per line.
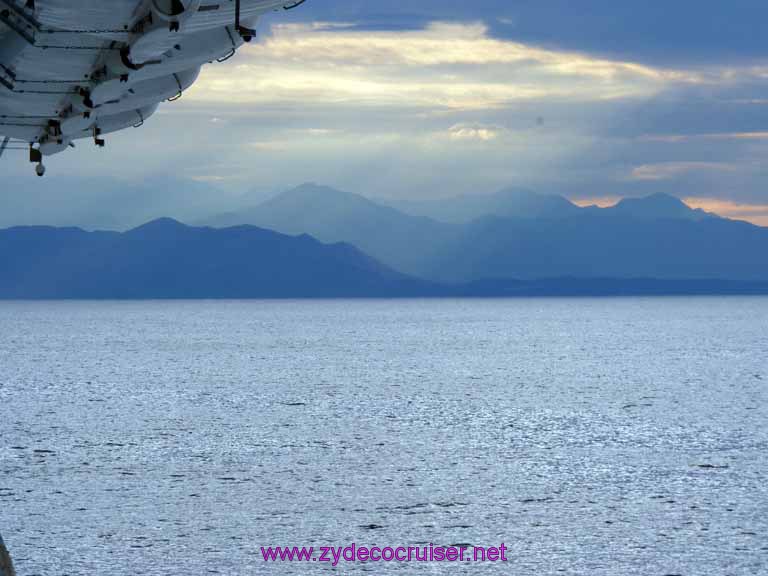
<point>754,213</point>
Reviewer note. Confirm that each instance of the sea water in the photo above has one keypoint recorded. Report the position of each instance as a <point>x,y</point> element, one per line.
<point>589,436</point>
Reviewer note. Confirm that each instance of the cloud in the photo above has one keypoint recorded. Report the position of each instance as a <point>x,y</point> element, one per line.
<point>416,109</point>
<point>686,32</point>
<point>601,201</point>
<point>672,170</point>
<point>483,133</point>
<point>681,138</point>
<point>444,66</point>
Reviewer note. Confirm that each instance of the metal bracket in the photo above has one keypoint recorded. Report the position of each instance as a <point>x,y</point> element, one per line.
<point>294,5</point>
<point>247,34</point>
<point>11,18</point>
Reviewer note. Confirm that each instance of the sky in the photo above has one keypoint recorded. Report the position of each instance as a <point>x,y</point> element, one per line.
<point>595,100</point>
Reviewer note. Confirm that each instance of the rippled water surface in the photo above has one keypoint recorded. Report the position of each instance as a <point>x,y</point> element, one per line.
<point>606,436</point>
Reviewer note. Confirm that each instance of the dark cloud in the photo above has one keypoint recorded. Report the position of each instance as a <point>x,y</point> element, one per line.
<point>658,31</point>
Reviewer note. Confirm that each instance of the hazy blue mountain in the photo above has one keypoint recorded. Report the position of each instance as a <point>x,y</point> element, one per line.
<point>657,207</point>
<point>534,237</point>
<point>605,244</point>
<point>491,257</point>
<point>510,202</point>
<point>166,259</point>
<point>401,241</point>
<point>524,204</point>
<point>99,204</point>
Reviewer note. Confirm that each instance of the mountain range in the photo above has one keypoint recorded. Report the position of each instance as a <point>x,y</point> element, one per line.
<point>518,203</point>
<point>506,203</point>
<point>315,241</point>
<point>400,240</point>
<point>521,235</point>
<point>167,259</point>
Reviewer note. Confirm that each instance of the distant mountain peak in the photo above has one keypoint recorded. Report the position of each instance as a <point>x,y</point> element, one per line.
<point>536,201</point>
<point>311,187</point>
<point>164,224</point>
<point>658,199</point>
<point>659,206</point>
<point>311,192</point>
<point>510,202</point>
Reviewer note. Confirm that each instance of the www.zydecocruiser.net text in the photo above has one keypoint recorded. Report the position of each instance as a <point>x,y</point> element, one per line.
<point>335,555</point>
